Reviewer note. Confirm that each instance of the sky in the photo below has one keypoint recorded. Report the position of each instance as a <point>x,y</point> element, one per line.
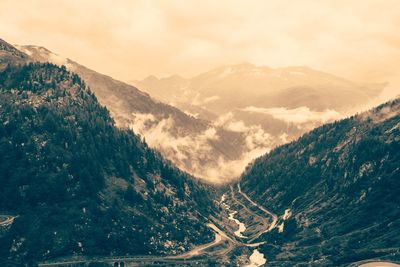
<point>129,39</point>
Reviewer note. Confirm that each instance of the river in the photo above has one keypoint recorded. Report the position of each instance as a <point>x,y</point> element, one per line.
<point>256,258</point>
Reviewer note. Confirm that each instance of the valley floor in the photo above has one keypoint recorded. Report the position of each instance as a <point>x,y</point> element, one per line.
<point>238,228</point>
<point>234,240</point>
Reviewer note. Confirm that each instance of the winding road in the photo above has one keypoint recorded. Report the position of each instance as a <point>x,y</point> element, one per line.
<point>222,244</point>
<point>220,237</point>
<point>273,215</point>
<point>6,220</point>
<point>194,256</point>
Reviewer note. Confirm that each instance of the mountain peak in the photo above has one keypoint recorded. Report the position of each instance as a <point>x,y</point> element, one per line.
<point>175,77</point>
<point>151,78</point>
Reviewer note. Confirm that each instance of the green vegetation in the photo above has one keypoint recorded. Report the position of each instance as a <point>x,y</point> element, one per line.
<point>80,185</point>
<point>342,183</point>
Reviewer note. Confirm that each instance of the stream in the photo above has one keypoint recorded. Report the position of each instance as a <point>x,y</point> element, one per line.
<point>241,225</point>
<point>256,258</point>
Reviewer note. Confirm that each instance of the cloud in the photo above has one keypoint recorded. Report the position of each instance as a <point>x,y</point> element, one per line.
<point>197,100</point>
<point>210,99</point>
<point>191,152</point>
<point>129,40</point>
<point>50,57</point>
<point>161,133</point>
<point>211,134</point>
<point>298,115</point>
<point>195,152</point>
<point>224,119</point>
<point>237,126</point>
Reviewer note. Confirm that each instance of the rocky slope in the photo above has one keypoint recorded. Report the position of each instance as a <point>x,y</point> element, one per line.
<point>77,185</point>
<point>336,191</point>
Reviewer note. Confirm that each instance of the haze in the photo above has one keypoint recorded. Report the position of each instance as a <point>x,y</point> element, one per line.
<point>358,40</point>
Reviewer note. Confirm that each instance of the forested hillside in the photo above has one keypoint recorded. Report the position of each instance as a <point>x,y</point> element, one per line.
<point>78,185</point>
<point>337,191</point>
<point>194,145</point>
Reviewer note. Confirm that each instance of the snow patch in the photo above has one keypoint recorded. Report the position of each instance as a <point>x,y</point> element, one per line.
<point>287,214</point>
<point>194,115</point>
<point>256,259</point>
<point>281,227</point>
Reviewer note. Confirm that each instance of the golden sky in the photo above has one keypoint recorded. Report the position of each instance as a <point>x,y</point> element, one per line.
<point>129,39</point>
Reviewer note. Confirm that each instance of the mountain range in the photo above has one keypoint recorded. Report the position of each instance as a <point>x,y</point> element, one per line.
<point>239,86</point>
<point>270,106</point>
<point>80,185</point>
<point>209,132</point>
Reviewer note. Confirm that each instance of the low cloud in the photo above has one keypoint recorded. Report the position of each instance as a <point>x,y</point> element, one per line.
<point>199,152</point>
<point>197,100</point>
<point>211,99</point>
<point>237,126</point>
<point>298,115</point>
<point>162,134</point>
<point>195,152</point>
<point>228,122</point>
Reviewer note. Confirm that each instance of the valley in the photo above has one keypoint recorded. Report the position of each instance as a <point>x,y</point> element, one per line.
<point>228,238</point>
<point>203,126</point>
<point>82,187</point>
<point>237,241</point>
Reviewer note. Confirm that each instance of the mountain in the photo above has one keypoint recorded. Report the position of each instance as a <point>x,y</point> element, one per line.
<point>9,54</point>
<point>239,86</point>
<point>195,145</point>
<point>77,188</point>
<point>77,185</point>
<point>335,190</point>
<point>268,106</point>
<point>283,101</point>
